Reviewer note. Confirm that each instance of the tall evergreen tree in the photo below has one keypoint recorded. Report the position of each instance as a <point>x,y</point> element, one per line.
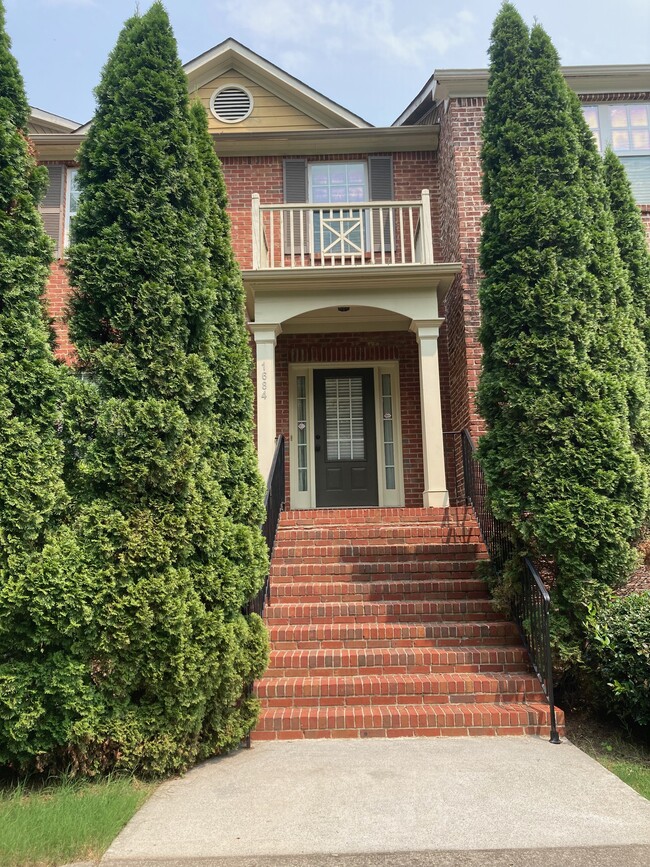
<point>158,656</point>
<point>31,487</point>
<point>557,453</point>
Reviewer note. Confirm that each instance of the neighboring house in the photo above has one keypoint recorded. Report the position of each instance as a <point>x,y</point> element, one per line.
<point>359,253</point>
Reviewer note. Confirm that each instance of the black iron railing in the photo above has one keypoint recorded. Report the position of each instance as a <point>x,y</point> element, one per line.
<point>273,504</point>
<point>532,610</point>
<point>532,607</point>
<point>496,533</point>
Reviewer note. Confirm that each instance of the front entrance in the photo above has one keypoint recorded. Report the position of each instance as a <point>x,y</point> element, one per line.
<point>345,446</point>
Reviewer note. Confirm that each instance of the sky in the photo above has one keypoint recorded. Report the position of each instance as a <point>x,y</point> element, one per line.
<point>371,56</point>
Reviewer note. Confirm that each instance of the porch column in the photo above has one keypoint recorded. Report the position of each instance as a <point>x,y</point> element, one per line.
<point>265,339</point>
<point>435,484</point>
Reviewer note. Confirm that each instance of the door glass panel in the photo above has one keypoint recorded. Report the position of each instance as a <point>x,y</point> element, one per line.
<point>389,430</point>
<point>344,419</point>
<point>301,433</point>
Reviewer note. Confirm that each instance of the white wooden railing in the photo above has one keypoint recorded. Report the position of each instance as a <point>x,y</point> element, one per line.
<point>342,234</point>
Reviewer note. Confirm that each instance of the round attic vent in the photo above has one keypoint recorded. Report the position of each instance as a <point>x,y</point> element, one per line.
<point>231,103</point>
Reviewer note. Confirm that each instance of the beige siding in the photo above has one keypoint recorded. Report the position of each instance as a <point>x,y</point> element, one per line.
<point>269,111</point>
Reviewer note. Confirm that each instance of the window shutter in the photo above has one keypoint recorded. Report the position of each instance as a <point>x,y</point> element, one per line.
<point>380,172</point>
<point>295,191</point>
<point>52,206</point>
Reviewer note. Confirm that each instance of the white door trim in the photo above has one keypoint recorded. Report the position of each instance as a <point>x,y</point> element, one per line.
<point>307,499</point>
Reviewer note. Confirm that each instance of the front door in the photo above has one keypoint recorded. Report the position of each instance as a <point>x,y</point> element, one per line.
<point>345,438</point>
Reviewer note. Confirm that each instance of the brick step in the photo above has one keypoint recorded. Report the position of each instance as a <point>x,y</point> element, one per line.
<point>398,689</point>
<point>431,720</point>
<point>463,534</point>
<point>338,635</point>
<point>421,611</point>
<point>399,569</point>
<point>304,518</point>
<point>386,553</point>
<point>357,591</point>
<point>396,660</point>
<point>369,572</point>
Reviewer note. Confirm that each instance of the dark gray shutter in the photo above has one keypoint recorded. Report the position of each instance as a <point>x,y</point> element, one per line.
<point>380,172</point>
<point>295,191</point>
<point>52,206</point>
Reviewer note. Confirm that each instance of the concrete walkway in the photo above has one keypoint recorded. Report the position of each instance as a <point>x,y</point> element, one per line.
<point>408,801</point>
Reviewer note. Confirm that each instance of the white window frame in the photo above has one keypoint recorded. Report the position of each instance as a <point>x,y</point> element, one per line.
<point>70,175</point>
<point>393,497</point>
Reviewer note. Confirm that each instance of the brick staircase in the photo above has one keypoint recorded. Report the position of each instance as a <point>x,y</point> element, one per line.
<point>381,626</point>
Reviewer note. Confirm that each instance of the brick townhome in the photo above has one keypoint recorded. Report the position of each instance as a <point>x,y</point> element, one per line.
<point>359,252</point>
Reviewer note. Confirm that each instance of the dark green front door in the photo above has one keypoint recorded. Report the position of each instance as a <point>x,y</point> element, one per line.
<point>345,438</point>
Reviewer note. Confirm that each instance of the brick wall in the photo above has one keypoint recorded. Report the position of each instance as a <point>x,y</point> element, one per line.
<point>460,229</point>
<point>57,295</point>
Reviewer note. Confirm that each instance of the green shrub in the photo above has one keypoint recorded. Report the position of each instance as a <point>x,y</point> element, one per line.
<point>132,652</point>
<point>617,656</point>
<point>557,455</point>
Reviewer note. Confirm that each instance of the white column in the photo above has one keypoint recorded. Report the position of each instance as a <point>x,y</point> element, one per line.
<point>435,484</point>
<point>265,339</point>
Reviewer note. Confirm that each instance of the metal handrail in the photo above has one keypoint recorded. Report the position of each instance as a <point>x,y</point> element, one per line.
<point>274,500</point>
<point>496,533</point>
<point>532,607</point>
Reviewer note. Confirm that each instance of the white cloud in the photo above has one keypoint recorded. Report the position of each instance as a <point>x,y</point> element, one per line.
<point>340,26</point>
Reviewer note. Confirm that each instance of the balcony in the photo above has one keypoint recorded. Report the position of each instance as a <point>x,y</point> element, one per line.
<point>342,235</point>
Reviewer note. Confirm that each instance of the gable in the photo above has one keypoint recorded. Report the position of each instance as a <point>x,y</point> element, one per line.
<point>281,95</point>
<point>269,111</point>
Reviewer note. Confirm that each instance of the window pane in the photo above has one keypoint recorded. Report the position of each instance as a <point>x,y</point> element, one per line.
<point>618,117</point>
<point>591,116</point>
<point>620,140</point>
<point>344,418</point>
<point>639,115</point>
<point>640,139</point>
<point>320,175</point>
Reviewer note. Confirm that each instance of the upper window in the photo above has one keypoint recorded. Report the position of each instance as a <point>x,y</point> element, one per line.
<point>71,202</point>
<point>338,182</point>
<point>231,103</point>
<point>624,126</point>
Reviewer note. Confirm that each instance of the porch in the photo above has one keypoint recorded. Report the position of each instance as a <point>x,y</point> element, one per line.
<point>344,303</point>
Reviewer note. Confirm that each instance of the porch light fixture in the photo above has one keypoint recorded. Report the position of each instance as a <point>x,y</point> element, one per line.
<point>343,309</point>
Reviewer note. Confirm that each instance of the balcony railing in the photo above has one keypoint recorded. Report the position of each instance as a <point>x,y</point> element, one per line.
<point>342,234</point>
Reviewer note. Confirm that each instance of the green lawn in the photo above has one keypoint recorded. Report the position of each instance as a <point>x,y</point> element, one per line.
<point>624,754</point>
<point>65,820</point>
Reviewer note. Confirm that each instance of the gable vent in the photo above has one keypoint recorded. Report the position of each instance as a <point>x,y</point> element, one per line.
<point>231,104</point>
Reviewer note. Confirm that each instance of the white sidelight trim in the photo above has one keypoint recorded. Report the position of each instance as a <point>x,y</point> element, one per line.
<point>435,484</point>
<point>265,340</point>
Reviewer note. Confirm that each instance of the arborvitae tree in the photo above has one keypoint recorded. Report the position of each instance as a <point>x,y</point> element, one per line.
<point>31,487</point>
<point>557,455</point>
<point>32,494</point>
<point>159,653</point>
<point>232,368</point>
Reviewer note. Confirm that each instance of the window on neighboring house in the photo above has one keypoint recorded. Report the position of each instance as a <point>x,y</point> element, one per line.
<point>71,202</point>
<point>625,127</point>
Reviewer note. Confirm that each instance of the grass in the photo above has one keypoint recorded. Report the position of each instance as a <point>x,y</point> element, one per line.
<point>624,754</point>
<point>65,820</point>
